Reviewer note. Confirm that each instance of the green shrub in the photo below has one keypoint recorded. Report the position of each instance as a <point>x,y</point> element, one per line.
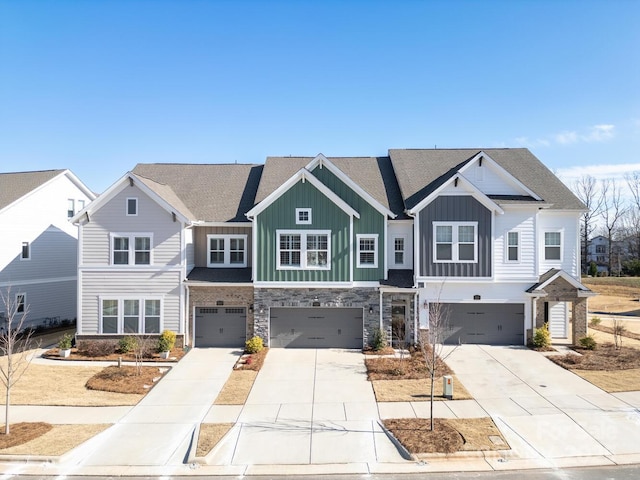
<point>253,345</point>
<point>595,321</point>
<point>65,341</point>
<point>588,342</point>
<point>378,339</point>
<point>593,269</point>
<point>542,337</point>
<point>166,341</point>
<point>127,344</point>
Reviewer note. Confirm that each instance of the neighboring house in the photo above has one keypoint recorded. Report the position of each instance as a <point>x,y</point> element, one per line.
<point>38,246</point>
<point>598,252</point>
<point>323,252</point>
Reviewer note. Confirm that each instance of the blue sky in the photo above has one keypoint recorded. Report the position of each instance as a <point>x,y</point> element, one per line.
<point>98,86</point>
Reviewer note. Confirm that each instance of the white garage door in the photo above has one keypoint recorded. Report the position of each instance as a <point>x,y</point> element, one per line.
<point>220,327</point>
<point>316,327</point>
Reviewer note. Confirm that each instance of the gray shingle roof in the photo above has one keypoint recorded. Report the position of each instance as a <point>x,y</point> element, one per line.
<point>17,184</point>
<point>373,174</point>
<point>421,171</point>
<point>211,192</point>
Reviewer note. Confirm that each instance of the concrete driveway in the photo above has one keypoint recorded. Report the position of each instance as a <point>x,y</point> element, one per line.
<point>546,412</point>
<point>306,407</point>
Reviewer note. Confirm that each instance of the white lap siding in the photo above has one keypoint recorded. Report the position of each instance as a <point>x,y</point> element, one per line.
<point>524,268</point>
<point>130,285</point>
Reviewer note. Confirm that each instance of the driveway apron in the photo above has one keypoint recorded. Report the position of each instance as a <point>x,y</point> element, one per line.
<point>307,406</point>
<point>543,410</point>
<point>159,429</point>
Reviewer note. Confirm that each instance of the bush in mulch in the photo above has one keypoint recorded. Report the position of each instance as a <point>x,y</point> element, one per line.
<point>412,366</point>
<point>125,379</point>
<point>253,361</point>
<point>605,357</point>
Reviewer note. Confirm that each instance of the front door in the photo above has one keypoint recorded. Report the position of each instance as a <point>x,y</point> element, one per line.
<point>399,325</point>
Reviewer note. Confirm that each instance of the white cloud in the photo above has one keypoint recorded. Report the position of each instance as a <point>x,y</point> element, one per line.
<point>615,171</point>
<point>596,133</point>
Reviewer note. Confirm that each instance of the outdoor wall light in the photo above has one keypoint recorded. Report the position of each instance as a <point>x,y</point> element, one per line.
<point>251,308</point>
<point>425,305</point>
<point>370,309</point>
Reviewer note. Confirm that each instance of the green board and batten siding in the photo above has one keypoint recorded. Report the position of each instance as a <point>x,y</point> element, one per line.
<point>371,221</point>
<point>326,215</point>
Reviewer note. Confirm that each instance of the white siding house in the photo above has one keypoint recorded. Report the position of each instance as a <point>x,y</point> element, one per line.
<point>38,245</point>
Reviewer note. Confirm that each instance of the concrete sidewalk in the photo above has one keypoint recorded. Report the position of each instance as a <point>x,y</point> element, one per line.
<point>159,429</point>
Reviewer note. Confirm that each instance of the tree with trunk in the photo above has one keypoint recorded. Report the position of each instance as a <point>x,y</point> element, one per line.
<point>14,346</point>
<point>613,210</point>
<point>633,215</point>
<point>586,189</point>
<point>432,345</point>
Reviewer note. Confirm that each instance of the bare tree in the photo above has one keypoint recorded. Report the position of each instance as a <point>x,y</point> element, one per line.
<point>613,211</point>
<point>618,331</point>
<point>586,189</point>
<point>14,345</point>
<point>432,344</point>
<point>633,215</point>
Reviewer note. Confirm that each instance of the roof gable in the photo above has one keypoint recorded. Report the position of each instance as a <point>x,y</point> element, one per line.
<point>15,186</point>
<point>421,171</point>
<point>302,175</point>
<point>131,179</point>
<point>457,185</point>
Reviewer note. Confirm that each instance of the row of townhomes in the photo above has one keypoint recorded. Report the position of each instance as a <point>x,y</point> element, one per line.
<point>38,245</point>
<point>323,252</point>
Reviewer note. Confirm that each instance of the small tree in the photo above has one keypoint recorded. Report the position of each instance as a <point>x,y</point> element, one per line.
<point>14,344</point>
<point>432,344</point>
<point>618,332</point>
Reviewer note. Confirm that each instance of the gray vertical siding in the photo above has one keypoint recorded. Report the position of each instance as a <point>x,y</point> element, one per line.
<point>455,209</point>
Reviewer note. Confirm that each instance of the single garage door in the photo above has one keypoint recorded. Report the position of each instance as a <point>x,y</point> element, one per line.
<point>316,327</point>
<point>220,327</point>
<point>487,323</point>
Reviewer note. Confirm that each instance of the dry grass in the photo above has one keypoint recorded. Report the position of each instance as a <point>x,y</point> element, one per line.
<point>606,285</point>
<point>237,388</point>
<point>612,381</point>
<point>607,329</point>
<point>22,433</point>
<point>57,441</point>
<point>125,379</point>
<point>415,390</point>
<point>448,436</point>
<point>410,367</point>
<point>64,385</point>
<point>210,435</point>
<point>615,295</point>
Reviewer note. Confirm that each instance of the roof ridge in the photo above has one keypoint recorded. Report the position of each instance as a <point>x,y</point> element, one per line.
<point>35,171</point>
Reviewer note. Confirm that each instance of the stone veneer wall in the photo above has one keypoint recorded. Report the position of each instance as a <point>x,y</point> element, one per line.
<point>562,291</point>
<point>387,303</point>
<point>230,296</point>
<point>365,298</point>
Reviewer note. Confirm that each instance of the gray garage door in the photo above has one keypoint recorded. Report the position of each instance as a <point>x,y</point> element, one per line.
<point>220,327</point>
<point>488,323</point>
<point>316,327</point>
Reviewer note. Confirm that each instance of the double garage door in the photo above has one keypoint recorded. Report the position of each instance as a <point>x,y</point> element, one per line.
<point>220,327</point>
<point>487,323</point>
<point>316,327</point>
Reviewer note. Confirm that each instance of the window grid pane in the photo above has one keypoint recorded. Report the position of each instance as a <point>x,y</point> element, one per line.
<point>152,316</point>
<point>290,250</point>
<point>399,251</point>
<point>142,250</point>
<point>109,316</point>
<point>121,250</point>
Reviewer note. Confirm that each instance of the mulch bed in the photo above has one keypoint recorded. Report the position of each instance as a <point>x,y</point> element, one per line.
<point>126,379</point>
<point>20,433</point>
<point>253,361</point>
<point>412,366</point>
<point>604,357</point>
<point>174,356</point>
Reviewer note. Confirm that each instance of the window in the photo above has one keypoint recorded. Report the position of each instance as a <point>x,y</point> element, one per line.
<point>71,208</point>
<point>131,318</point>
<point>131,249</point>
<point>25,254</point>
<point>131,315</point>
<point>110,316</point>
<point>152,316</point>
<point>399,244</point>
<point>552,245</point>
<point>367,251</point>
<point>601,249</point>
<point>303,216</point>
<point>303,249</point>
<point>317,250</point>
<point>132,207</point>
<point>80,205</point>
<point>21,300</point>
<point>455,242</point>
<point>227,251</point>
<point>513,246</point>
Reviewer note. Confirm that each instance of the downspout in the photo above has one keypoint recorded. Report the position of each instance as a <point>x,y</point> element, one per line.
<point>186,322</point>
<point>416,260</point>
